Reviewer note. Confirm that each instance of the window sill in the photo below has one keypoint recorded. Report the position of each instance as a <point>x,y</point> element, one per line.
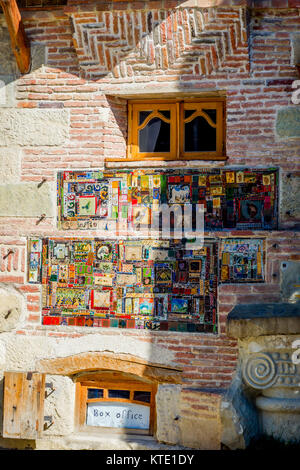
<point>104,434</point>
<point>166,159</point>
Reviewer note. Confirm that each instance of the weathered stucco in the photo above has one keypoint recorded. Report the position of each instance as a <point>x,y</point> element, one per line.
<point>10,311</point>
<point>24,352</point>
<point>288,122</point>
<point>33,127</point>
<point>12,308</point>
<point>26,200</point>
<point>8,64</point>
<point>167,399</point>
<point>290,197</point>
<point>10,165</point>
<point>59,405</point>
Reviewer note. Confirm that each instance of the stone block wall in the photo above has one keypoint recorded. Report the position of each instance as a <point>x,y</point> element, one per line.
<point>70,112</point>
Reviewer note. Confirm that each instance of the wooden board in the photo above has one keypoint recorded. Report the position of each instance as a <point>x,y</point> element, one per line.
<point>23,404</point>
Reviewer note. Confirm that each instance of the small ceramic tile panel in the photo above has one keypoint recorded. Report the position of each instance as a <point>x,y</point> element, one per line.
<point>242,260</point>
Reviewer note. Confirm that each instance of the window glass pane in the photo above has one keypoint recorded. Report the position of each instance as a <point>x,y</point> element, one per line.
<point>199,136</point>
<point>40,3</point>
<point>119,394</point>
<point>167,114</point>
<point>142,396</point>
<point>95,393</point>
<point>212,113</point>
<point>155,137</point>
<point>189,112</point>
<point>143,115</point>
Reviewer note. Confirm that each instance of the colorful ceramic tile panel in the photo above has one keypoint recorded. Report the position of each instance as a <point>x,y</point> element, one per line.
<point>34,260</point>
<point>144,284</point>
<point>242,260</point>
<point>239,199</point>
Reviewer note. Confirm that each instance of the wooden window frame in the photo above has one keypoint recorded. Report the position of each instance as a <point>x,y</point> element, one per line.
<point>219,126</point>
<point>133,128</point>
<point>111,383</point>
<point>176,108</point>
<point>41,8</point>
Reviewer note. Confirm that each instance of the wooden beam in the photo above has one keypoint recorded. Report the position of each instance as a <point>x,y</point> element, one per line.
<point>20,45</point>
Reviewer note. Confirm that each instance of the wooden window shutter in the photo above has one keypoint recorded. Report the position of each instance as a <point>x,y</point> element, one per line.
<point>23,404</point>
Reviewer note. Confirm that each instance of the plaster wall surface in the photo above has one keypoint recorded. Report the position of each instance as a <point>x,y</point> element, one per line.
<point>31,127</point>
<point>26,200</point>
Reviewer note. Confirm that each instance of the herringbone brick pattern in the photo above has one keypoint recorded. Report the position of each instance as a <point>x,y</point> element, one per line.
<point>185,40</point>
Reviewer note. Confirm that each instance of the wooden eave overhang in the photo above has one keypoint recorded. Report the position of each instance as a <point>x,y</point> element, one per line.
<point>19,41</point>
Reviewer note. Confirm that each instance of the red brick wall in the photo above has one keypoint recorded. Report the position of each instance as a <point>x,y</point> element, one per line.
<point>251,62</point>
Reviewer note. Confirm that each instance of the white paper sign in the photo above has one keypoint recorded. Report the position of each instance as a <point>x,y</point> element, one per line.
<point>118,415</point>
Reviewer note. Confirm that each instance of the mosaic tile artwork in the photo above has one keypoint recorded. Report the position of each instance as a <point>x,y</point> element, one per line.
<point>34,260</point>
<point>144,284</point>
<point>232,198</point>
<point>242,260</point>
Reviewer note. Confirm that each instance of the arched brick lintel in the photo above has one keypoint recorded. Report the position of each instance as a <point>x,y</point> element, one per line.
<point>93,361</point>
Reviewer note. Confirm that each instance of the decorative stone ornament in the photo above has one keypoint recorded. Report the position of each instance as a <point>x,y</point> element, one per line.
<point>264,370</point>
<point>260,371</point>
<point>271,368</point>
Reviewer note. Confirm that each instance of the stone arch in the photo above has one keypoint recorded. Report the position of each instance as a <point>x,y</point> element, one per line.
<point>105,361</point>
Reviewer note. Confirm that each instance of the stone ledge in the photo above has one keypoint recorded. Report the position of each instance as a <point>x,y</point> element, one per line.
<point>251,320</point>
<point>89,441</point>
<point>108,442</point>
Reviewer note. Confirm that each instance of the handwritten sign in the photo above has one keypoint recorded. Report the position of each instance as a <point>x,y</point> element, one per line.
<point>118,415</point>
